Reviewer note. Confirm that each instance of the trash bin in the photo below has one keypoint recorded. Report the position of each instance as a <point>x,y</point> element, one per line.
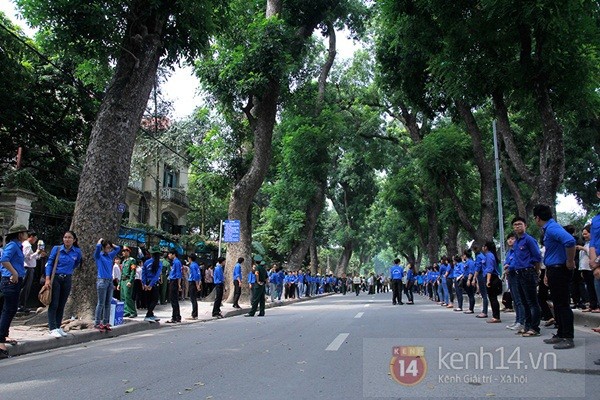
<point>117,308</point>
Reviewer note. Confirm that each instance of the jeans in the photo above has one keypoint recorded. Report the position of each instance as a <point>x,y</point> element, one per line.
<point>104,288</point>
<point>597,287</point>
<point>11,303</point>
<point>273,290</point>
<point>300,286</point>
<point>445,292</point>
<point>61,288</point>
<point>513,286</point>
<point>559,279</point>
<point>527,280</point>
<point>588,280</point>
<point>470,289</point>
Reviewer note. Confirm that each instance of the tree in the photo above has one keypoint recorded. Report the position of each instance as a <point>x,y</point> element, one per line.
<point>134,37</point>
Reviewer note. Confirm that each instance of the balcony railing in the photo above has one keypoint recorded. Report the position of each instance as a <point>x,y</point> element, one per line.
<point>175,196</point>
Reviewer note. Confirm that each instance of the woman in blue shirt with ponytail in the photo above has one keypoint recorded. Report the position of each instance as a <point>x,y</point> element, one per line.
<point>150,275</point>
<point>493,282</point>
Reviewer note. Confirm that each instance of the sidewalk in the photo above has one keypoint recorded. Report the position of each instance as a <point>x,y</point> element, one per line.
<point>36,338</point>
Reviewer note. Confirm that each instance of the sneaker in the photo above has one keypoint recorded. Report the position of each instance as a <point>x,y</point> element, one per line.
<point>149,319</point>
<point>107,327</point>
<point>553,340</point>
<point>511,326</point>
<point>55,333</point>
<point>517,326</point>
<point>564,344</point>
<point>62,333</point>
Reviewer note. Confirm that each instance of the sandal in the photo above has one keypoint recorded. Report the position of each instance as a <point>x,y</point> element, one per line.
<point>597,330</point>
<point>493,321</point>
<point>12,342</point>
<point>550,322</point>
<point>530,333</point>
<point>596,311</point>
<point>481,316</point>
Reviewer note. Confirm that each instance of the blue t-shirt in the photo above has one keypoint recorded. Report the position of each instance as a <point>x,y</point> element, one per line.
<point>175,272</point>
<point>556,240</point>
<point>68,260</point>
<point>396,271</point>
<point>526,253</point>
<point>104,261</point>
<point>595,234</point>
<point>150,278</point>
<point>251,277</point>
<point>237,272</point>
<point>13,253</point>
<point>490,264</point>
<point>194,272</point>
<point>218,274</point>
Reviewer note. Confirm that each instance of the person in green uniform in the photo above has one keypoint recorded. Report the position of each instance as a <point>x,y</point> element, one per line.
<point>258,294</point>
<point>126,283</point>
<point>164,281</point>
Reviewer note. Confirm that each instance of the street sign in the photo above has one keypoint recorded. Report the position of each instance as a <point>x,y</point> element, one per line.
<point>121,207</point>
<point>231,230</point>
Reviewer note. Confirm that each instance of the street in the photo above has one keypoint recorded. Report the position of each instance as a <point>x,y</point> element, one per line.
<point>336,347</point>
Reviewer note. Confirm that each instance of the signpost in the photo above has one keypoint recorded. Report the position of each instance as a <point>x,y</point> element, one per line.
<point>232,232</point>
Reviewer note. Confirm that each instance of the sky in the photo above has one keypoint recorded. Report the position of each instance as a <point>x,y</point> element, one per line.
<point>182,90</point>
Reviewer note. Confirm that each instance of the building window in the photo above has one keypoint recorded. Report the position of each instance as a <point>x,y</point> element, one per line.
<point>167,222</point>
<point>170,177</point>
<point>143,211</point>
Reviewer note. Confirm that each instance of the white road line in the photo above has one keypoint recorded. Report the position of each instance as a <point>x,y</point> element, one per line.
<point>360,314</point>
<point>367,305</point>
<point>337,342</point>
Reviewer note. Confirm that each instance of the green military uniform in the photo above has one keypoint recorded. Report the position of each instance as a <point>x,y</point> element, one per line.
<point>258,290</point>
<point>164,281</point>
<point>126,285</point>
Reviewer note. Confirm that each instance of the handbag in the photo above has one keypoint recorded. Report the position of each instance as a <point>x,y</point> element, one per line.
<point>45,294</point>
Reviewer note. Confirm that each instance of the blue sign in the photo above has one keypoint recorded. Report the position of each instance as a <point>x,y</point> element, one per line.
<point>121,208</point>
<point>231,230</point>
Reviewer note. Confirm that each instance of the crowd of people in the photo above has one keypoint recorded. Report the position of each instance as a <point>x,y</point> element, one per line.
<point>560,268</point>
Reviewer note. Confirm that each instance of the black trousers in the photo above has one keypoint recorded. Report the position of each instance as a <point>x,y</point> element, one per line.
<point>493,291</point>
<point>28,281</point>
<point>237,292</point>
<point>174,299</point>
<point>396,291</point>
<point>152,299</point>
<point>218,299</point>
<point>559,279</point>
<point>588,280</point>
<point>258,299</point>
<point>408,290</point>
<point>193,291</point>
<point>543,294</point>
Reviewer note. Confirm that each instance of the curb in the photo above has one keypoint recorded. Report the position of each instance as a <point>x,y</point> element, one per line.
<point>127,328</point>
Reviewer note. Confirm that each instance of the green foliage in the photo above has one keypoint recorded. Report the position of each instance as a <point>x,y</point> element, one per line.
<point>23,179</point>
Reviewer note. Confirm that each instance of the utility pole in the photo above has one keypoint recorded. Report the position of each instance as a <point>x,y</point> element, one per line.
<point>157,180</point>
<point>499,193</point>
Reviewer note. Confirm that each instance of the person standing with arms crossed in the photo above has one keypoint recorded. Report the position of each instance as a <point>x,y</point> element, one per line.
<point>237,282</point>
<point>559,259</point>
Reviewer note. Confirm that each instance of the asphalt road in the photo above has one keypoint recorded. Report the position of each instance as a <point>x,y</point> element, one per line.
<point>338,347</point>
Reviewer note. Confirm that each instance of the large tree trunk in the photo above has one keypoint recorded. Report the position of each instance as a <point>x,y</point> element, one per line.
<point>261,115</point>
<point>300,248</point>
<point>314,259</point>
<point>451,241</point>
<point>103,181</point>
<point>486,228</point>
<point>342,265</point>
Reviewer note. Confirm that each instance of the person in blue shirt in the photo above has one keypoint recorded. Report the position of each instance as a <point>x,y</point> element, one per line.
<point>150,275</point>
<point>450,282</point>
<point>104,256</point>
<point>396,274</point>
<point>480,281</point>
<point>68,257</point>
<point>526,262</point>
<point>237,282</point>
<point>280,282</point>
<point>175,275</point>
<point>559,259</point>
<point>469,281</point>
<point>218,281</point>
<point>194,284</point>
<point>492,280</point>
<point>444,272</point>
<point>514,300</point>
<point>410,280</point>
<point>594,252</point>
<point>459,275</point>
<point>12,271</point>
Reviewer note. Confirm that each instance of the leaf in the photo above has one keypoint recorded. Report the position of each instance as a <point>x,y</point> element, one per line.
<point>199,384</point>
<point>130,390</point>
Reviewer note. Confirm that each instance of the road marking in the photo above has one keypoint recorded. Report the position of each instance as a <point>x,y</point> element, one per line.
<point>337,342</point>
<point>367,305</point>
<point>360,314</point>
